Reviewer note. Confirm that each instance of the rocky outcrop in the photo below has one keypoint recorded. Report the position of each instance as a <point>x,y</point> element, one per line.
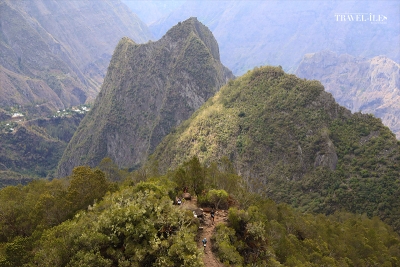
<point>327,159</point>
<point>149,89</point>
<point>56,52</point>
<point>360,84</point>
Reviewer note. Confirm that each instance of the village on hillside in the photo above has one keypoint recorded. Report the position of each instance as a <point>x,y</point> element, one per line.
<point>16,115</point>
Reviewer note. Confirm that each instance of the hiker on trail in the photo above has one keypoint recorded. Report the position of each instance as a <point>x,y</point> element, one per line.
<point>179,201</point>
<point>204,243</point>
<point>212,215</point>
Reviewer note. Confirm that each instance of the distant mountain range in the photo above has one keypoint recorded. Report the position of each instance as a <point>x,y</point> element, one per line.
<point>55,53</point>
<point>149,89</point>
<point>254,33</point>
<point>359,84</point>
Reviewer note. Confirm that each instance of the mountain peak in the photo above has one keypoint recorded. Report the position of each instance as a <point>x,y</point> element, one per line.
<point>192,27</point>
<point>148,90</point>
<point>125,40</point>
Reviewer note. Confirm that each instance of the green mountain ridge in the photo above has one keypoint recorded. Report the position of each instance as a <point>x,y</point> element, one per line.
<point>294,144</point>
<point>149,89</point>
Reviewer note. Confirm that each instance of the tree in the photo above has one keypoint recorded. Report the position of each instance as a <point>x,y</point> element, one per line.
<point>136,226</point>
<point>111,170</point>
<point>195,174</point>
<point>86,185</point>
<point>218,197</point>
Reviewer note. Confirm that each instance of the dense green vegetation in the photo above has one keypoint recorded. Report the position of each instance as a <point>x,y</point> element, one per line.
<point>268,234</point>
<point>87,220</point>
<point>294,144</point>
<point>42,204</point>
<point>136,226</point>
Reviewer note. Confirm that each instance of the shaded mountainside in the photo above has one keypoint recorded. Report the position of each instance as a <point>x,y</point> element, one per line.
<point>56,52</point>
<point>149,89</point>
<point>359,84</point>
<point>33,148</point>
<point>254,33</point>
<point>295,144</point>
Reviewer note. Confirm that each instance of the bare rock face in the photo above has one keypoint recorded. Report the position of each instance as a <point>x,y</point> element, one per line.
<point>56,52</point>
<point>187,196</point>
<point>327,158</point>
<point>149,89</point>
<point>359,84</point>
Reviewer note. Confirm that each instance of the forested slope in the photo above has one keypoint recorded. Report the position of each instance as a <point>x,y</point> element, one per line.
<point>88,220</point>
<point>294,144</point>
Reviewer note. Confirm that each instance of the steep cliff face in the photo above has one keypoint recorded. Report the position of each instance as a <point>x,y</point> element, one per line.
<point>366,85</point>
<point>56,52</point>
<point>149,89</point>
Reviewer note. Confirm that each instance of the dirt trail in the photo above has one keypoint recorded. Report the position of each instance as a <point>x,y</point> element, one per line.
<point>209,259</point>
